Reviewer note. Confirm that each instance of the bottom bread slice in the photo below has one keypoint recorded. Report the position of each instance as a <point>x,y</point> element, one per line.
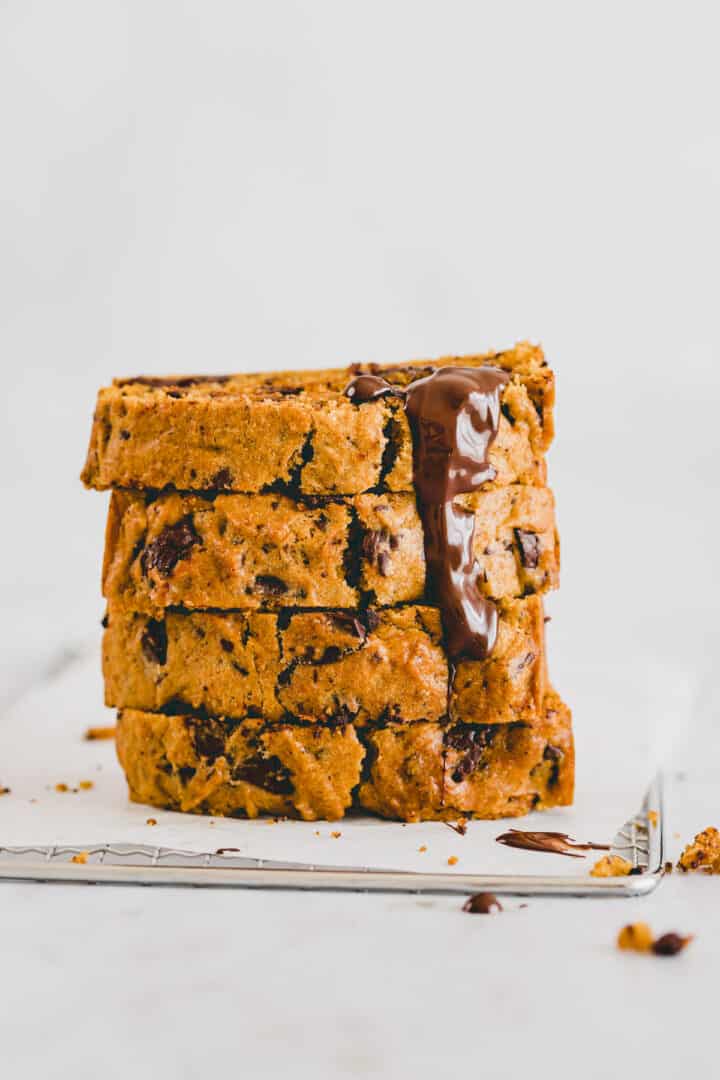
<point>410,772</point>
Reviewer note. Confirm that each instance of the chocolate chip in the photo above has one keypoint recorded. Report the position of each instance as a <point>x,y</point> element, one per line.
<point>124,435</point>
<point>482,903</point>
<point>508,415</point>
<point>374,547</point>
<point>372,620</point>
<point>154,641</point>
<point>552,753</point>
<point>222,480</point>
<point>670,944</point>
<point>529,546</point>
<point>331,655</point>
<point>287,391</point>
<point>186,773</point>
<point>471,742</point>
<point>349,623</point>
<point>267,773</point>
<point>226,645</point>
<point>172,544</point>
<point>105,621</point>
<point>273,586</point>
<point>208,737</point>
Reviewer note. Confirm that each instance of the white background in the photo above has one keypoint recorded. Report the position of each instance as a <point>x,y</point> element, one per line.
<point>209,186</point>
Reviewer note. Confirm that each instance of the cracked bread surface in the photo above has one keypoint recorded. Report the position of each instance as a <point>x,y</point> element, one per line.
<point>297,430</point>
<point>270,551</point>
<point>411,772</point>
<point>368,666</point>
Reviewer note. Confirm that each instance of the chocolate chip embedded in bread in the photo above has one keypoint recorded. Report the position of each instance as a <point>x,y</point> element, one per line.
<point>172,544</point>
<point>267,773</point>
<point>154,641</point>
<point>222,480</point>
<point>271,585</point>
<point>471,742</point>
<point>529,547</point>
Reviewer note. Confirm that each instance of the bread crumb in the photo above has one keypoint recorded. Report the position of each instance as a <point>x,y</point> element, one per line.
<point>423,847</point>
<point>653,818</point>
<point>703,853</point>
<point>611,866</point>
<point>639,938</point>
<point>668,868</point>
<point>636,936</point>
<point>86,785</point>
<point>93,733</point>
<point>453,860</point>
<point>336,835</point>
<point>151,821</point>
<point>81,857</point>
<point>61,787</point>
<point>4,790</point>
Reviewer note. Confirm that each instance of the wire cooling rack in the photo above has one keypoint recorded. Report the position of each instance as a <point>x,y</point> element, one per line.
<point>640,840</point>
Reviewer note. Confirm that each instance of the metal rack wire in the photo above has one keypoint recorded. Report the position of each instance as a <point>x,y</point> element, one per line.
<point>640,840</point>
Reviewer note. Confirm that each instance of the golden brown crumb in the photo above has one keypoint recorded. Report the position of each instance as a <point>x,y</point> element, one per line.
<point>93,733</point>
<point>611,866</point>
<point>637,936</point>
<point>81,857</point>
<point>336,835</point>
<point>4,790</point>
<point>453,860</point>
<point>61,787</point>
<point>151,821</point>
<point>86,785</point>
<point>703,853</point>
<point>653,818</point>
<point>423,847</point>
<point>668,868</point>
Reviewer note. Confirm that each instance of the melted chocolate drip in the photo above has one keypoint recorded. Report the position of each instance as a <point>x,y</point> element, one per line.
<point>556,843</point>
<point>454,415</point>
<point>366,388</point>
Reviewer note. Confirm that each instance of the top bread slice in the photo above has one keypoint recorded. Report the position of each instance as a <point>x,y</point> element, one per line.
<point>296,431</point>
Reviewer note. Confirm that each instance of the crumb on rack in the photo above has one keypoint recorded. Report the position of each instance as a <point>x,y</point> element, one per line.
<point>151,821</point>
<point>336,835</point>
<point>81,857</point>
<point>86,785</point>
<point>668,868</point>
<point>453,860</point>
<point>611,866</point>
<point>94,733</point>
<point>653,818</point>
<point>61,787</point>
<point>636,936</point>
<point>703,853</point>
<point>422,848</point>
<point>4,790</point>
